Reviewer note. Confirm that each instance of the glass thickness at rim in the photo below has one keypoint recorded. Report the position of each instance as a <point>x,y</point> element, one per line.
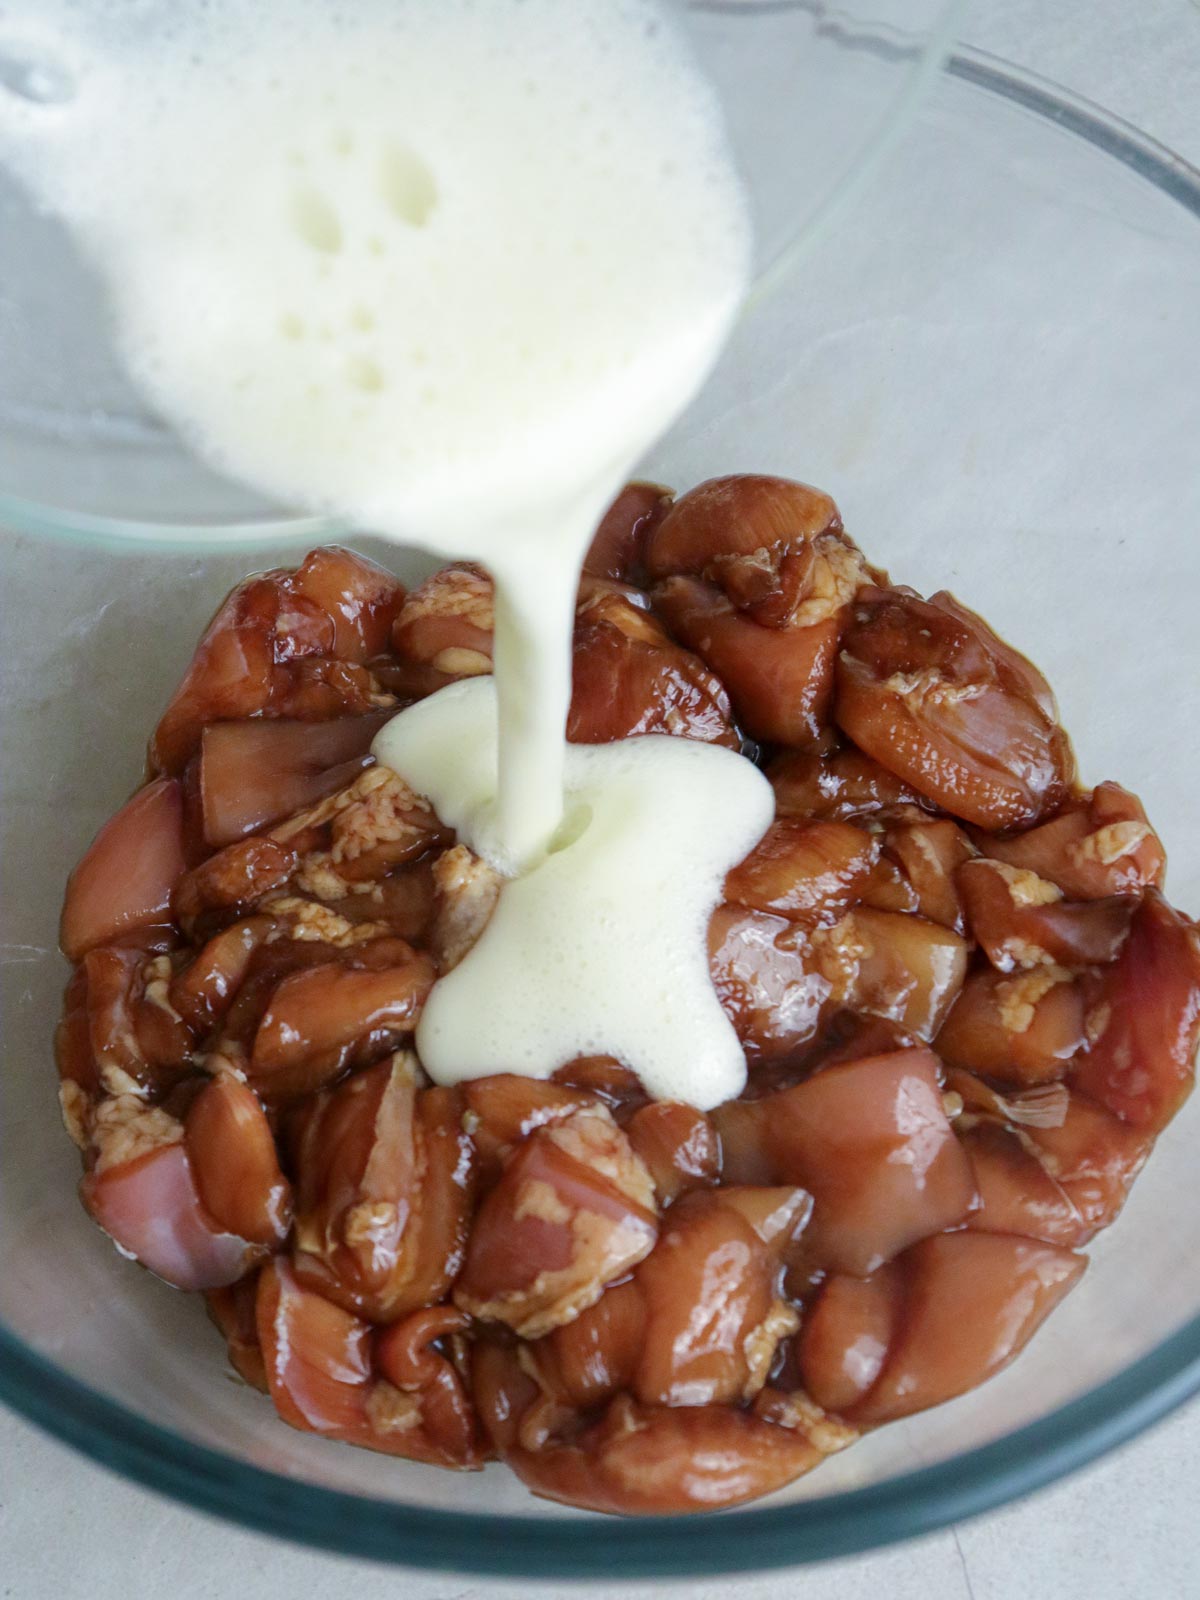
<point>581,1547</point>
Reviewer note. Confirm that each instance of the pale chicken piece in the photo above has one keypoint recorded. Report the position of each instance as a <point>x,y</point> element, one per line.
<point>466,890</point>
<point>144,1190</point>
<point>447,622</point>
<point>573,1210</point>
<point>376,823</point>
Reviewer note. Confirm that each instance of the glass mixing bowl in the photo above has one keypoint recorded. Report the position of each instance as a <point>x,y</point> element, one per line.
<point>991,362</point>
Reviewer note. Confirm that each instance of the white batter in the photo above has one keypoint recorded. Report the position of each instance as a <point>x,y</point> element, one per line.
<point>600,949</point>
<point>445,267</point>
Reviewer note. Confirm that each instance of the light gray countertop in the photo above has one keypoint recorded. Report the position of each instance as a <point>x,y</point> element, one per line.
<point>1126,1526</point>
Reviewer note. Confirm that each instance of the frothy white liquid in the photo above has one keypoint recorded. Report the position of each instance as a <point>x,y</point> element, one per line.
<point>446,267</point>
<point>599,949</point>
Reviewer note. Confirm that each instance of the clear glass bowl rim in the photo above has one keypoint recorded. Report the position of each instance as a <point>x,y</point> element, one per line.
<point>747,1541</point>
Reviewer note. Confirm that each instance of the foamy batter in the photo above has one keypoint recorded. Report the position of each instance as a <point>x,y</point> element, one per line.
<point>600,949</point>
<point>445,267</point>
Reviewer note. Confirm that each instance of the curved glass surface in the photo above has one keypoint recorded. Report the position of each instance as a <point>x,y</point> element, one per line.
<point>998,341</point>
<point>583,1548</point>
<point>82,459</point>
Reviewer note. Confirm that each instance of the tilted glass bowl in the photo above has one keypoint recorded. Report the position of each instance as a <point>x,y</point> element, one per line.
<point>991,364</point>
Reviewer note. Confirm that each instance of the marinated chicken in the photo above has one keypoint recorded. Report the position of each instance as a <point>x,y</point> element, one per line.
<point>966,1007</point>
